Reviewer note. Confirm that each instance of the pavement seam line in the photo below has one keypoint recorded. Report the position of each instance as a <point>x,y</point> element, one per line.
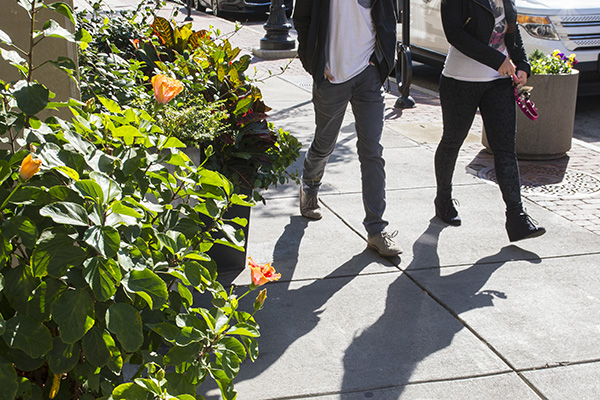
<point>477,335</point>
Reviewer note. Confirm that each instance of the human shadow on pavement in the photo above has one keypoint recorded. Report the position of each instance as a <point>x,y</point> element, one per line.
<point>293,308</point>
<point>416,323</point>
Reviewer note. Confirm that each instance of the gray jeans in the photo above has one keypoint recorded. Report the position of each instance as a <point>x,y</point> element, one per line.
<point>365,94</point>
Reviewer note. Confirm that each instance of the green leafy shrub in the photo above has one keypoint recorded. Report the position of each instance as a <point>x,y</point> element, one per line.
<point>248,149</point>
<point>105,226</point>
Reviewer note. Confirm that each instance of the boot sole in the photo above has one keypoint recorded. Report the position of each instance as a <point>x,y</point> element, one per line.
<point>535,234</point>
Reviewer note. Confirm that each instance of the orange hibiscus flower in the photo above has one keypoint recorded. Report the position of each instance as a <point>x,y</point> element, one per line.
<point>262,274</point>
<point>29,167</point>
<point>165,88</point>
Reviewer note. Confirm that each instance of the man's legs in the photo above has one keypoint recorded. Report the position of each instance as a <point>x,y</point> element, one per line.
<point>330,102</point>
<point>368,109</point>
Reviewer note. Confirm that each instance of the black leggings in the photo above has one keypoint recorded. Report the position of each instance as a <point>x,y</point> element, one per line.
<point>496,102</point>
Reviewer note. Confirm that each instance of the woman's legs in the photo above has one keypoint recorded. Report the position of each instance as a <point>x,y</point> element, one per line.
<point>498,111</point>
<point>459,100</point>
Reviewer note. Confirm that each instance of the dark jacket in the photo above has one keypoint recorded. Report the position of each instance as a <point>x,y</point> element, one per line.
<point>311,18</point>
<point>468,25</point>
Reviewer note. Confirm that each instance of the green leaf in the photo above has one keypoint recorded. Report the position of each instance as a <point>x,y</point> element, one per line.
<point>32,98</point>
<point>95,348</point>
<point>186,354</point>
<point>8,380</point>
<point>252,346</point>
<point>5,171</point>
<point>230,363</point>
<point>105,239</point>
<point>128,133</point>
<point>4,37</point>
<point>64,9</point>
<point>185,294</point>
<point>83,37</point>
<point>66,213</point>
<point>2,325</point>
<point>149,384</point>
<point>243,105</point>
<point>178,384</point>
<point>52,28</point>
<point>129,391</point>
<point>111,189</point>
<point>22,227</point>
<point>149,286</point>
<point>125,322</point>
<point>39,306</point>
<point>67,171</point>
<point>55,254</point>
<point>229,343</point>
<point>227,390</point>
<point>185,397</point>
<point>18,286</point>
<point>12,57</point>
<point>110,105</point>
<point>243,329</point>
<point>74,313</point>
<point>173,142</point>
<point>90,190</point>
<point>103,276</point>
<point>24,333</point>
<point>63,357</point>
<point>119,208</point>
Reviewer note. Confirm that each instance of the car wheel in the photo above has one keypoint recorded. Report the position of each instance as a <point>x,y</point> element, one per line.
<point>214,4</point>
<point>200,6</point>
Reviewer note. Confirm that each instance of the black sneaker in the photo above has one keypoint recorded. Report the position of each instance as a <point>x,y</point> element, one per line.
<point>519,226</point>
<point>446,211</point>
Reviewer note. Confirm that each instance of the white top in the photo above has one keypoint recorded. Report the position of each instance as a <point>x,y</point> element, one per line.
<point>461,67</point>
<point>350,40</point>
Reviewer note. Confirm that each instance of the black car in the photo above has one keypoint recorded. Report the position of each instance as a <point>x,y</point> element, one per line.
<point>240,6</point>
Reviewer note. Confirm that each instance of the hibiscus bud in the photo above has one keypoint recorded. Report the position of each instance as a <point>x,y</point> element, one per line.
<point>260,300</point>
<point>165,88</point>
<point>29,167</point>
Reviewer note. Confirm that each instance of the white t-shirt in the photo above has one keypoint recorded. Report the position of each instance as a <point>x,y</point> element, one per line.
<point>351,39</point>
<point>459,66</point>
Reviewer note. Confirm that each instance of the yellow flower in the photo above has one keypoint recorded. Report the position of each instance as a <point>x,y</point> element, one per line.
<point>262,274</point>
<point>55,386</point>
<point>29,167</point>
<point>165,88</point>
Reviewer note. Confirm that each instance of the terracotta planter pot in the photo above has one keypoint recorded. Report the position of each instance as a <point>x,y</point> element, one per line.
<point>555,97</point>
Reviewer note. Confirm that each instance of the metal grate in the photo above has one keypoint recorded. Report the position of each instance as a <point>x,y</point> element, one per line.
<point>551,181</point>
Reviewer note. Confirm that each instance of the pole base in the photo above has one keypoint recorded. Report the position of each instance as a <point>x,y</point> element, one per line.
<point>405,102</point>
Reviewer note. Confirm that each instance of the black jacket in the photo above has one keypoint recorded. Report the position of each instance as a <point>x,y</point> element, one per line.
<point>311,18</point>
<point>468,25</point>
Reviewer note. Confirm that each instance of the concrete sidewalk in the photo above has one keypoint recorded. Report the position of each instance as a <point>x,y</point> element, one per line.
<point>462,314</point>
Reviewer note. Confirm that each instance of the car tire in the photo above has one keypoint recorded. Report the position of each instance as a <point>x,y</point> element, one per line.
<point>199,6</point>
<point>214,4</point>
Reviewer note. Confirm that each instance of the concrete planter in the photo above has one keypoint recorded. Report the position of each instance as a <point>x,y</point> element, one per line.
<point>549,137</point>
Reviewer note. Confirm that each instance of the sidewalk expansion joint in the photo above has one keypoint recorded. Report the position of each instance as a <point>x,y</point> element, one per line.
<point>476,334</point>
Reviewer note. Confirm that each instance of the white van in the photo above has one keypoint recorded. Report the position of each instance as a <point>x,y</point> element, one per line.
<point>571,26</point>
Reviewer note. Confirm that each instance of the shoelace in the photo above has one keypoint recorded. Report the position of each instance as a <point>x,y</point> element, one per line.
<point>387,237</point>
<point>312,202</point>
<point>529,219</point>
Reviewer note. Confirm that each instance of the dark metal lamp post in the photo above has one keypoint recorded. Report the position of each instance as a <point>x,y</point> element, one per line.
<point>404,64</point>
<point>188,7</point>
<point>278,29</point>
